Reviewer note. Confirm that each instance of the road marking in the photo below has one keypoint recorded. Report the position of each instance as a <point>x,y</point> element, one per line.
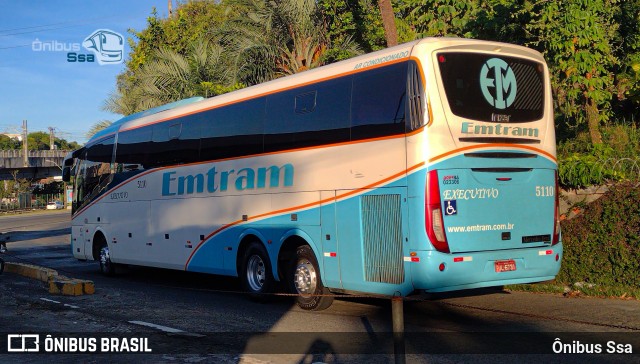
<point>166,329</point>
<point>58,302</point>
<point>48,300</point>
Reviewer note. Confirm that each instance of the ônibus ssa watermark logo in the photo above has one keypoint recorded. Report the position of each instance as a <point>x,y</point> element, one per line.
<point>106,45</point>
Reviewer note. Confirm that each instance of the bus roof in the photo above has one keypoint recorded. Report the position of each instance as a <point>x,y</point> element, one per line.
<point>192,105</point>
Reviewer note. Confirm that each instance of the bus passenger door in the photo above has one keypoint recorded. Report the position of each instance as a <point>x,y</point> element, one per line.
<point>329,254</point>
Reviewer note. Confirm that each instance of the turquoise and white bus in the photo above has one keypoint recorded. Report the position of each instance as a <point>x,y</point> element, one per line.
<point>426,167</point>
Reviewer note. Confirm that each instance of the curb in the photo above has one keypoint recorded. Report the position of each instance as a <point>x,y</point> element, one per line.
<point>58,284</point>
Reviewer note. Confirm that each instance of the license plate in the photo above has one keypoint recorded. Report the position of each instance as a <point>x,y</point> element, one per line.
<point>505,265</point>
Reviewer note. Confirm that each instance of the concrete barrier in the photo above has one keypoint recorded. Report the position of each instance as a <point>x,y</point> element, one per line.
<point>58,284</point>
<point>70,287</point>
<point>31,271</point>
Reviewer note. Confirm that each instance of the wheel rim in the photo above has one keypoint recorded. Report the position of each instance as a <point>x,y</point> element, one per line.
<point>105,260</point>
<point>305,278</point>
<point>256,273</point>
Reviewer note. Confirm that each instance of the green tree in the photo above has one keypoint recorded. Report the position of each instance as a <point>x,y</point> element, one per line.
<point>359,21</point>
<point>63,144</point>
<point>18,185</point>
<point>100,125</point>
<point>577,39</point>
<point>172,76</point>
<point>270,39</point>
<point>7,143</point>
<point>38,140</point>
<point>627,47</point>
<point>441,17</point>
<point>193,21</point>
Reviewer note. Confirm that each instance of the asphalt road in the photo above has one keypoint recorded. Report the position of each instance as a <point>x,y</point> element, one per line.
<point>201,318</point>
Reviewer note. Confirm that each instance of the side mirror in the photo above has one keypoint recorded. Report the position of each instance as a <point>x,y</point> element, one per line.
<point>66,167</point>
<point>66,174</point>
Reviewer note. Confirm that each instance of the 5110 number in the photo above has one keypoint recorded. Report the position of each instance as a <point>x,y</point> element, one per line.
<point>545,191</point>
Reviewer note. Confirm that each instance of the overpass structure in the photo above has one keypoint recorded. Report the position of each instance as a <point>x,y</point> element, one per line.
<point>38,164</point>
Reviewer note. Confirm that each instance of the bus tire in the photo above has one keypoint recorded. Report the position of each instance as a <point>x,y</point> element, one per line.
<point>107,267</point>
<point>307,283</point>
<point>256,275</point>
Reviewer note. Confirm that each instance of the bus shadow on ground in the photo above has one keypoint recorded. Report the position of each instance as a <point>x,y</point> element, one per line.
<point>15,236</point>
<point>432,326</point>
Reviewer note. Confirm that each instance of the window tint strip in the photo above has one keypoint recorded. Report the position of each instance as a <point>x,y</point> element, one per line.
<point>363,105</point>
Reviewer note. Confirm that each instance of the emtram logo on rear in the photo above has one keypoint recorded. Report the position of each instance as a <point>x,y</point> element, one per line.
<point>498,83</point>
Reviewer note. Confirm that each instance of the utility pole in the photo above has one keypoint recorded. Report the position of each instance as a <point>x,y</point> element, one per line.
<point>25,146</point>
<point>170,5</point>
<point>52,145</point>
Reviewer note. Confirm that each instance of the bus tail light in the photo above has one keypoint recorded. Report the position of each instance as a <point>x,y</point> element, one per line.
<point>556,217</point>
<point>434,223</point>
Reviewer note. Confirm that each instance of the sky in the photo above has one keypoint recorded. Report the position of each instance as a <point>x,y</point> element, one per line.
<point>40,85</point>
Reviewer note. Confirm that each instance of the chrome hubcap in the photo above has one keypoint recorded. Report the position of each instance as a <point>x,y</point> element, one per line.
<point>256,273</point>
<point>104,256</point>
<point>305,278</point>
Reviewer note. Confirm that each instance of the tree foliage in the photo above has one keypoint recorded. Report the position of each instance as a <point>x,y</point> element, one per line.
<point>577,39</point>
<point>8,143</point>
<point>39,140</point>
<point>440,17</point>
<point>211,48</point>
<point>592,47</point>
<point>11,187</point>
<point>361,22</point>
<point>269,39</point>
<point>100,125</point>
<point>171,42</point>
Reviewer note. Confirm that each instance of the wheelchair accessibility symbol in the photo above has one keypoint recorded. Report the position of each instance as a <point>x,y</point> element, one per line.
<point>450,208</point>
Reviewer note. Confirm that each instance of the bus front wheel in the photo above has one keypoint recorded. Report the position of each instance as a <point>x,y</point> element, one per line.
<point>307,283</point>
<point>107,267</point>
<point>257,278</point>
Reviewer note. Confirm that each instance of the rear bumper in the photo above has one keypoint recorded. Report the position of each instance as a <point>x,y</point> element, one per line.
<point>477,270</point>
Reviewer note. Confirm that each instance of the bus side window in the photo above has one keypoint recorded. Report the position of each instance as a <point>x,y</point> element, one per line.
<point>132,149</point>
<point>378,102</point>
<point>310,115</point>
<point>95,171</point>
<point>189,140</point>
<point>162,151</point>
<point>232,131</point>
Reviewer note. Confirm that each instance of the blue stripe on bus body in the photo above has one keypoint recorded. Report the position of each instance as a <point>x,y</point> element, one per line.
<point>417,275</point>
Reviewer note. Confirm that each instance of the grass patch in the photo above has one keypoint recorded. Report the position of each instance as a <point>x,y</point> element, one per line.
<point>578,290</point>
<point>601,255</point>
<point>537,287</point>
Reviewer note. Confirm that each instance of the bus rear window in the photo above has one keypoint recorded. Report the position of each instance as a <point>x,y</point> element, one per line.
<point>492,87</point>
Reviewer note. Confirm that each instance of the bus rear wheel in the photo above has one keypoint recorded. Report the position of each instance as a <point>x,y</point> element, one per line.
<point>255,272</point>
<point>307,283</point>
